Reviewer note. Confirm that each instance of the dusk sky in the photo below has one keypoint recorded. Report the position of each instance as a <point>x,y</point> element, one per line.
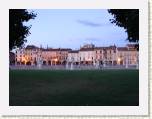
<point>67,28</point>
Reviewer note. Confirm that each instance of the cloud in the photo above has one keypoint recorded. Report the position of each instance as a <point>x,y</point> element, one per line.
<point>93,24</point>
<point>88,23</point>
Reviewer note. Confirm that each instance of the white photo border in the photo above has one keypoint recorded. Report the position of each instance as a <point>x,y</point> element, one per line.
<point>142,109</point>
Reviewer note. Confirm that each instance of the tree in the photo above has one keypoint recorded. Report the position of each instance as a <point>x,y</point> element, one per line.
<point>129,20</point>
<point>17,30</point>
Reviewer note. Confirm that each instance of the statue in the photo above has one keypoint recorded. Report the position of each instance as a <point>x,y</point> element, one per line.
<point>67,64</point>
<point>104,63</point>
<point>126,62</point>
<point>97,64</point>
<point>39,63</point>
<point>71,67</point>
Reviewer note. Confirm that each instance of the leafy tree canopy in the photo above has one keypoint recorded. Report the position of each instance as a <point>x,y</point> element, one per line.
<point>17,30</point>
<point>129,20</point>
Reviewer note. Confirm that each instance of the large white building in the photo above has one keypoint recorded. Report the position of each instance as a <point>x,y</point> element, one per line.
<point>73,57</point>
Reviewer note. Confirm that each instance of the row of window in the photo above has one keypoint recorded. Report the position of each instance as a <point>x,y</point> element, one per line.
<point>101,51</point>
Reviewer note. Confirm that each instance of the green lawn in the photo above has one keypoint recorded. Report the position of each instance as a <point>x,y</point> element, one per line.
<point>74,88</point>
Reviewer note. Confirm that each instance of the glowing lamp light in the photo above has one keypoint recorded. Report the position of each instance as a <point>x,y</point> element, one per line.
<point>56,60</point>
<point>119,59</point>
<point>24,59</point>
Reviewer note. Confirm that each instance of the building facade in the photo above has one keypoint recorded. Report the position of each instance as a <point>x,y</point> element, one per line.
<point>55,56</point>
<point>73,57</point>
<point>127,55</point>
<point>28,56</point>
<point>86,55</point>
<point>106,55</point>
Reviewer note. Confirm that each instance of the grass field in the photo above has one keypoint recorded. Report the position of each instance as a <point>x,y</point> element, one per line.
<point>74,88</point>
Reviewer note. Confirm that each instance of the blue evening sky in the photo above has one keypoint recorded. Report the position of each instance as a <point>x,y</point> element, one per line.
<point>72,28</point>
